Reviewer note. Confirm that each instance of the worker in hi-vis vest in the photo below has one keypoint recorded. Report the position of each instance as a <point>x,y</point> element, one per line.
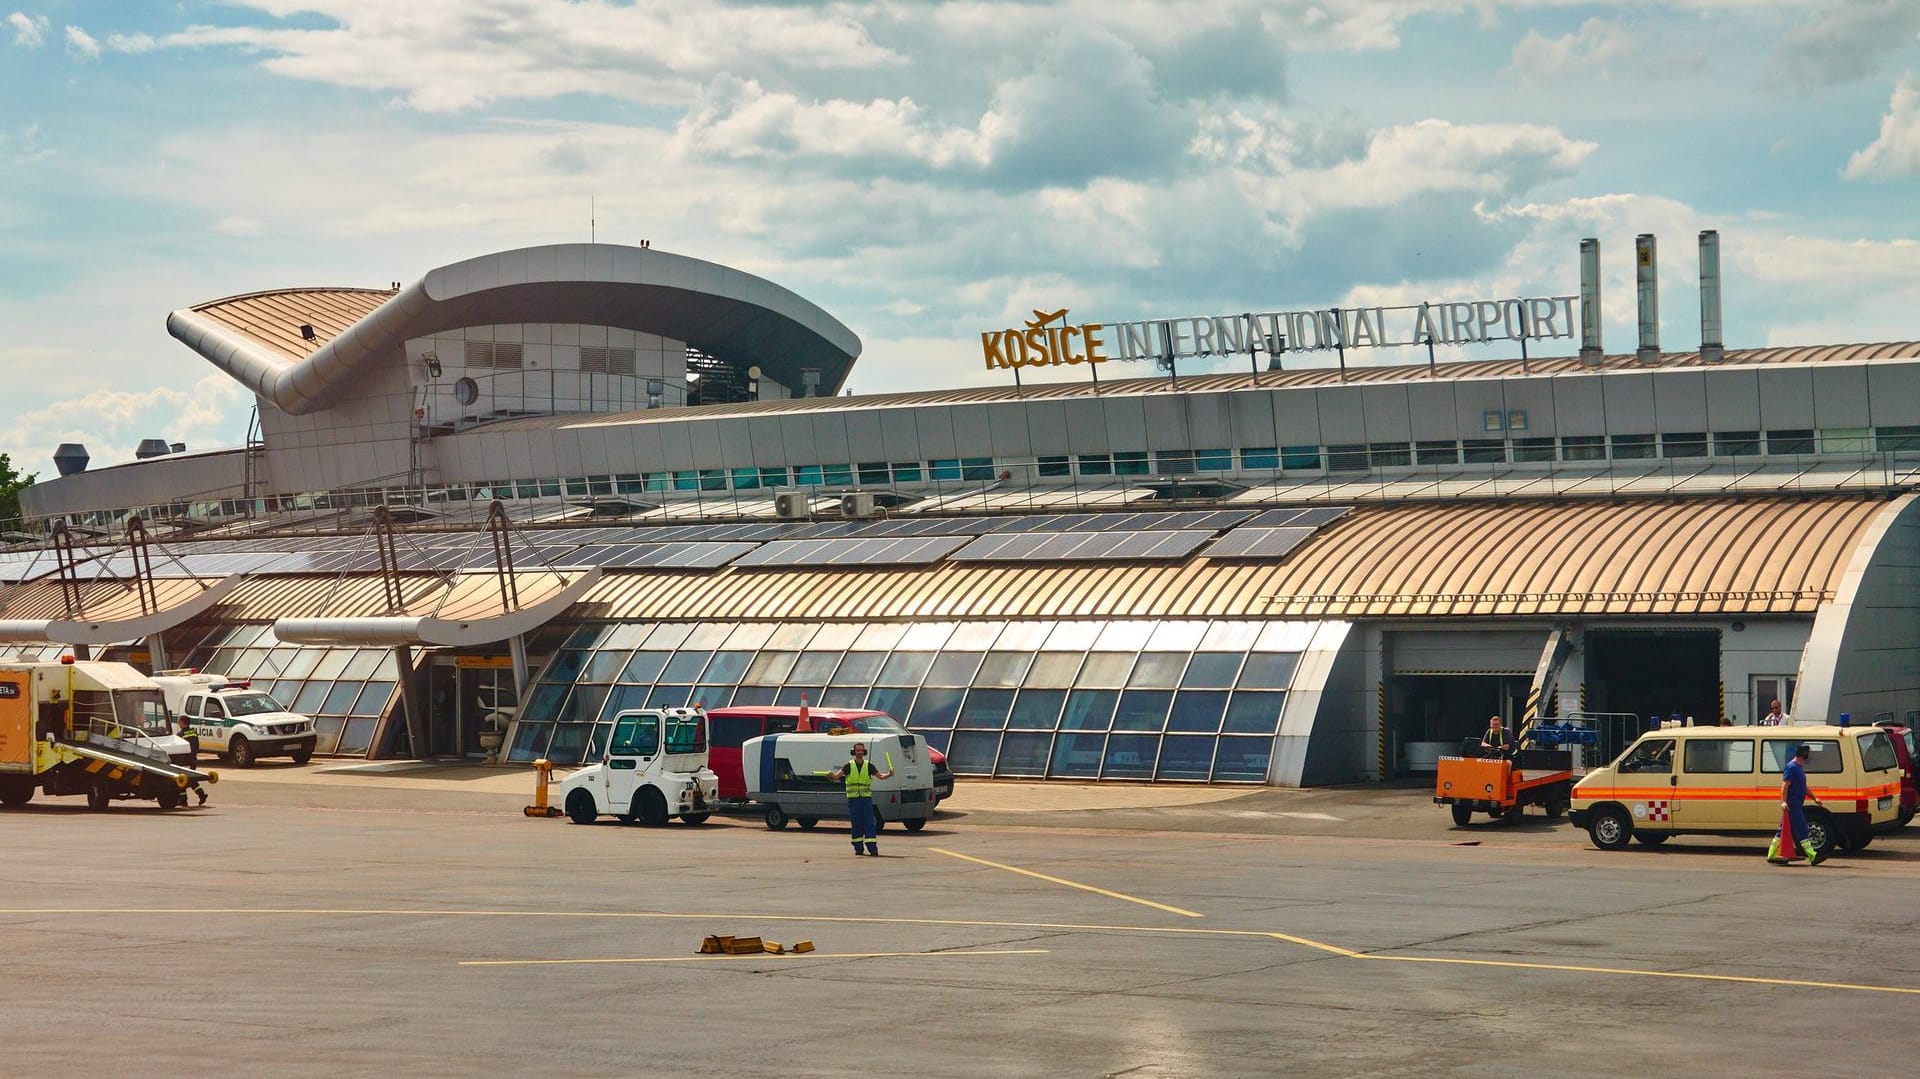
<point>860,774</point>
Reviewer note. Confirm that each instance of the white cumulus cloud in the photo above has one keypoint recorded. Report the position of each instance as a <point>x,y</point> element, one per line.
<point>29,31</point>
<point>1597,46</point>
<point>81,45</point>
<point>1896,152</point>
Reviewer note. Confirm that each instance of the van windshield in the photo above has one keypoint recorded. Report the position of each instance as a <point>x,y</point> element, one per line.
<point>252,703</point>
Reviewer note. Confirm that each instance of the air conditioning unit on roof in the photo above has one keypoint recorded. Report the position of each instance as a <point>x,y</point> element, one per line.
<point>859,504</point>
<point>790,505</point>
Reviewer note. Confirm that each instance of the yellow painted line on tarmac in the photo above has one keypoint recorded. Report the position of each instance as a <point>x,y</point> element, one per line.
<point>1067,883</point>
<point>962,923</point>
<point>751,958</point>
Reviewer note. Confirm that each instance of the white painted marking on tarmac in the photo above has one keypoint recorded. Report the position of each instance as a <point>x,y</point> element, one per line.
<point>752,958</point>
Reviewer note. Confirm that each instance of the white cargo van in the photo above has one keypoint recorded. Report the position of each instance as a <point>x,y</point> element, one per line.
<point>790,774</point>
<point>235,720</point>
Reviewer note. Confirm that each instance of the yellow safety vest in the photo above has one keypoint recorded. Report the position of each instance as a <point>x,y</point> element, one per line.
<point>859,779</point>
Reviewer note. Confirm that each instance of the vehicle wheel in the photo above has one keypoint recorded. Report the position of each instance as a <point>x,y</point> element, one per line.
<point>695,818</point>
<point>1461,814</point>
<point>15,791</point>
<point>1822,833</point>
<point>806,823</point>
<point>172,799</point>
<point>302,756</point>
<point>1861,839</point>
<point>98,796</point>
<point>1610,828</point>
<point>1513,814</point>
<point>1556,808</point>
<point>580,808</point>
<point>915,824</point>
<point>776,818</point>
<point>1651,839</point>
<point>653,808</point>
<point>879,822</point>
<point>241,752</point>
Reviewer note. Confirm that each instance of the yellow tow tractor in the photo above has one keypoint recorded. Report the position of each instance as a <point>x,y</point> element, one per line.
<point>93,728</point>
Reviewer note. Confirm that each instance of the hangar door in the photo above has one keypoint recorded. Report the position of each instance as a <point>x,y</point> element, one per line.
<point>1443,684</point>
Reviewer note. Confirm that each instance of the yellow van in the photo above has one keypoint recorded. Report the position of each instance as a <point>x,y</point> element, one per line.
<point>1726,781</point>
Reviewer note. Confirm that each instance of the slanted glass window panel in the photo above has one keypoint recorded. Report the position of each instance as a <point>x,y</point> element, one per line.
<point>1124,636</point>
<point>340,699</point>
<point>936,707</point>
<point>355,737</point>
<point>1230,636</point>
<point>973,752</point>
<point>669,635</point>
<point>834,637</point>
<point>1003,669</point>
<point>1197,711</point>
<point>1023,637</point>
<point>844,697</point>
<point>1269,670</point>
<point>1211,670</point>
<point>301,665</point>
<point>685,666</point>
<point>727,668</point>
<point>1243,759</point>
<point>1254,713</point>
<point>529,742</point>
<point>1158,669</point>
<point>814,668</point>
<point>1176,636</point>
<point>1845,440</point>
<point>372,700</point>
<point>1187,757</point>
<point>986,709</point>
<point>604,667</point>
<point>569,745</point>
<point>326,734</point>
<point>1037,709</point>
<point>795,696</point>
<point>248,662</point>
<point>1105,670</point>
<point>1023,754</point>
<point>754,695</point>
<point>621,699</point>
<point>597,745</point>
<point>626,635</point>
<point>896,701</point>
<point>936,739</point>
<point>711,696</point>
<point>1794,441</point>
<point>906,668</point>
<point>564,667</point>
<point>859,668</point>
<point>924,637</point>
<point>669,696</point>
<point>1583,447</point>
<point>1143,710</point>
<point>1077,756</point>
<point>1072,637</point>
<point>589,635</point>
<point>880,637</point>
<point>1285,637</point>
<point>645,667</point>
<point>770,668</point>
<point>749,638</point>
<point>584,705</point>
<point>1089,710</point>
<point>1131,756</point>
<point>545,702</point>
<point>365,663</point>
<point>706,637</point>
<point>312,696</point>
<point>973,636</point>
<point>333,663</point>
<point>1053,670</point>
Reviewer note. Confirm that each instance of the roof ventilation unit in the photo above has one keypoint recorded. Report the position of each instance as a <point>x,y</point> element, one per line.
<point>150,447</point>
<point>1713,347</point>
<point>71,458</point>
<point>791,505</point>
<point>1591,353</point>
<point>1647,280</point>
<point>859,504</point>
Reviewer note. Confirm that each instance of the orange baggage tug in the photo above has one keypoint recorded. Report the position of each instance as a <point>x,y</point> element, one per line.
<point>1502,785</point>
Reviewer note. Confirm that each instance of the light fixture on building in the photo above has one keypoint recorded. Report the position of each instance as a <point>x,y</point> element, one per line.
<point>1492,420</point>
<point>306,332</point>
<point>1517,420</point>
<point>433,364</point>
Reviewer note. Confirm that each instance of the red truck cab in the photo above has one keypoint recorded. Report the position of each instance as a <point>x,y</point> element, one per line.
<point>729,728</point>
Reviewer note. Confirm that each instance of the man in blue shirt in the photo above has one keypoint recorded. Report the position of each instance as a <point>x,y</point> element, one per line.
<point>1793,796</point>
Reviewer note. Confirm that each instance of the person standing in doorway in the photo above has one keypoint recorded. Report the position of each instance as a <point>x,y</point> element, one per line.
<point>1793,797</point>
<point>859,775</point>
<point>1774,717</point>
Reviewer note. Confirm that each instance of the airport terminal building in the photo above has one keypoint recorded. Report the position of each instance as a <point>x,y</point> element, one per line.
<point>537,487</point>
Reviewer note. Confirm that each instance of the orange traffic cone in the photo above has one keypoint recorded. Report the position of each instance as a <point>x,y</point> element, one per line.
<point>1783,850</point>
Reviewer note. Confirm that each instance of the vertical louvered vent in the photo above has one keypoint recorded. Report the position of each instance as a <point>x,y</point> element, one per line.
<point>479,354</point>
<point>607,361</point>
<point>508,355</point>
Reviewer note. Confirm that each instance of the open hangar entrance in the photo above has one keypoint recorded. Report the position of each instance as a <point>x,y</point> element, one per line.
<point>1653,671</point>
<point>1442,684</point>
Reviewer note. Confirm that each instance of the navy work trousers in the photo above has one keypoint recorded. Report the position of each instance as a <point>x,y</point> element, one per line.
<point>860,813</point>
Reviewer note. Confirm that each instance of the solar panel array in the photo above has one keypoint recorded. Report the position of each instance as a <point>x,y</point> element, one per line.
<point>1253,542</point>
<point>899,541</point>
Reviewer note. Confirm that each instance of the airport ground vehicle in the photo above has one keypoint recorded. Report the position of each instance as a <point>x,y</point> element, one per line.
<point>1503,784</point>
<point>93,728</point>
<point>790,775</point>
<point>235,720</point>
<point>1726,781</point>
<point>654,767</point>
<point>732,726</point>
<point>1907,749</point>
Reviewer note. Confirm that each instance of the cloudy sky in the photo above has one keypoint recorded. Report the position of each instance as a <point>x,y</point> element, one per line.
<point>927,170</point>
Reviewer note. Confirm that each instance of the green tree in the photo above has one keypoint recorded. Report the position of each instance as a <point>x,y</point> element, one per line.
<point>11,484</point>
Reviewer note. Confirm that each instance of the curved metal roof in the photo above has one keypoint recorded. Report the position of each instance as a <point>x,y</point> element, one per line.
<point>1665,556</point>
<point>721,311</point>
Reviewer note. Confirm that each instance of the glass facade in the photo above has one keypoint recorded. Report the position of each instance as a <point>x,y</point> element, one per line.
<point>345,690</point>
<point>1147,700</point>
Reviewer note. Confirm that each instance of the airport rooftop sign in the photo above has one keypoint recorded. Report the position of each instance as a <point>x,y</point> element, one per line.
<point>1049,339</point>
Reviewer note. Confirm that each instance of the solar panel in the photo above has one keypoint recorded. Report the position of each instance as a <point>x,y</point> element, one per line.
<point>840,553</point>
<point>1308,517</point>
<point>678,555</point>
<point>1252,542</point>
<point>1083,546</point>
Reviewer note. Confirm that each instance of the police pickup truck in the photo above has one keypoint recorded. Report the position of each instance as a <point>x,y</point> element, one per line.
<point>235,720</point>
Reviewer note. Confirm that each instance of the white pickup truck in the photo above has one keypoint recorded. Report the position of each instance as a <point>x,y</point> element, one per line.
<point>236,721</point>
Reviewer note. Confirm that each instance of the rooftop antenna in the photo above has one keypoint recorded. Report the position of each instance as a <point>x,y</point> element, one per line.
<point>593,220</point>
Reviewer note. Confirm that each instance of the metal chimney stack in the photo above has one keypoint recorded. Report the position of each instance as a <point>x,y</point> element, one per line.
<point>1647,280</point>
<point>1712,341</point>
<point>1590,351</point>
